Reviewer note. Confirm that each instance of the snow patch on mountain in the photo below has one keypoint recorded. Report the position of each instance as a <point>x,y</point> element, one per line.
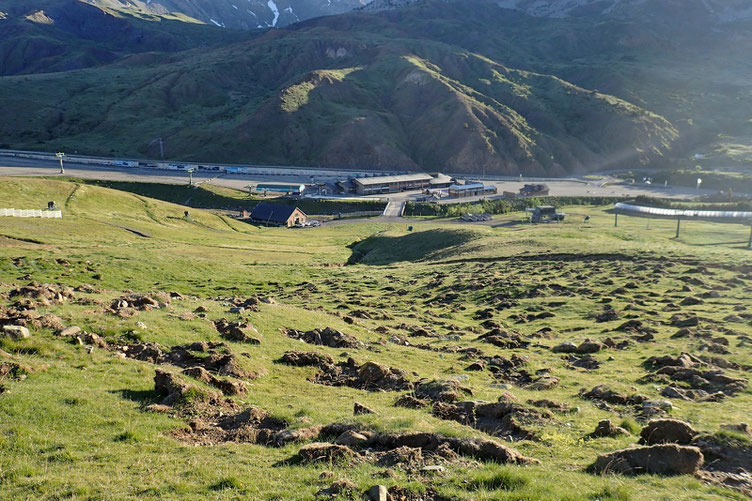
<point>275,11</point>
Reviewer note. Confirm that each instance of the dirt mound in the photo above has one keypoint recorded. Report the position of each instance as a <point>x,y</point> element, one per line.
<point>603,397</point>
<point>440,391</point>
<point>213,419</point>
<point>607,315</point>
<point>504,339</point>
<point>176,391</point>
<point>429,444</point>
<point>34,294</point>
<point>250,304</point>
<point>325,452</point>
<point>587,362</point>
<point>728,463</point>
<point>128,305</point>
<point>552,406</point>
<point>586,347</point>
<point>26,316</point>
<point>606,428</point>
<point>695,380</point>
<point>241,332</point>
<point>410,402</point>
<point>499,419</point>
<point>667,431</point>
<point>684,360</point>
<point>668,459</point>
<point>369,376</point>
<point>325,337</point>
<point>680,320</point>
<point>217,360</point>
<point>226,386</point>
<point>306,359</point>
<point>636,327</point>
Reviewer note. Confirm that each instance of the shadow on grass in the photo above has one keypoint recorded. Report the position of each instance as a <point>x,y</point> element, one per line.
<point>382,249</point>
<point>142,397</point>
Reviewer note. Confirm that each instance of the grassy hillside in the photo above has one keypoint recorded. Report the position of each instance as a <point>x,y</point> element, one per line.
<point>76,421</point>
<point>324,97</point>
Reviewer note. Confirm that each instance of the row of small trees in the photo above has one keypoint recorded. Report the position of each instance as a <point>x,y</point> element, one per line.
<point>499,205</point>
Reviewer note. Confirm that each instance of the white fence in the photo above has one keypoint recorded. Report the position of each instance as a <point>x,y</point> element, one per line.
<point>49,214</point>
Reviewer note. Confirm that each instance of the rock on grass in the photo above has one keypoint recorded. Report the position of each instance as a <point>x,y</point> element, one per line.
<point>669,459</point>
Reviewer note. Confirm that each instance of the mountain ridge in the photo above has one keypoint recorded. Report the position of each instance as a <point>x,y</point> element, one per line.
<point>434,85</point>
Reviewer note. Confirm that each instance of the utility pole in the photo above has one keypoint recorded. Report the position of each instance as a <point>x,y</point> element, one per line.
<point>60,156</point>
<point>749,244</point>
<point>616,218</point>
<point>678,225</point>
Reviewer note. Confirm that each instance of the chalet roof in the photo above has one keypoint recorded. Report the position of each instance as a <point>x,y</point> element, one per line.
<point>275,213</point>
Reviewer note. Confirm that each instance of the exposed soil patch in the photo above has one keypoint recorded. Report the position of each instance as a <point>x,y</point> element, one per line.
<point>501,419</point>
<point>215,358</point>
<point>368,376</point>
<point>306,359</point>
<point>325,337</point>
<point>34,294</point>
<point>241,332</point>
<point>213,419</point>
<point>690,378</point>
<point>415,445</point>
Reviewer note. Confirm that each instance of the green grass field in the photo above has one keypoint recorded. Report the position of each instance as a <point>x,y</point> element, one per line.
<point>77,425</point>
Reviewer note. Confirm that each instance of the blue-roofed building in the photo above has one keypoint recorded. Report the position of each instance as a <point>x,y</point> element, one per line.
<point>289,189</point>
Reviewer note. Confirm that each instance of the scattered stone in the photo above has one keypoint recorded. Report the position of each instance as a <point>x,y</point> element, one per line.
<point>69,331</point>
<point>16,332</point>
<point>378,493</point>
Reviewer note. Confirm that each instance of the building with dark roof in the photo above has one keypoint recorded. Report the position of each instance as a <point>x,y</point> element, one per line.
<point>270,214</point>
<point>391,184</point>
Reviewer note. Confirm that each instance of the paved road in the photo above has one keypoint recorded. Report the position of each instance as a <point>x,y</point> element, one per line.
<point>560,187</point>
<point>27,167</point>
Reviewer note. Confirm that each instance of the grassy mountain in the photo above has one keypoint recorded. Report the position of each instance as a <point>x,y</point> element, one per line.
<point>245,14</point>
<point>435,85</point>
<point>50,35</point>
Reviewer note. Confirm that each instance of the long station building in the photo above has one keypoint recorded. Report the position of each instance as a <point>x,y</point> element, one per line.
<point>404,182</point>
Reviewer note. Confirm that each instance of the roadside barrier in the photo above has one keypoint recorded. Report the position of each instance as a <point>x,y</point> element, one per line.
<point>47,214</point>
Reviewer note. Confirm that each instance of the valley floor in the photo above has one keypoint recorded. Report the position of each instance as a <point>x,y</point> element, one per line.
<point>217,360</point>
